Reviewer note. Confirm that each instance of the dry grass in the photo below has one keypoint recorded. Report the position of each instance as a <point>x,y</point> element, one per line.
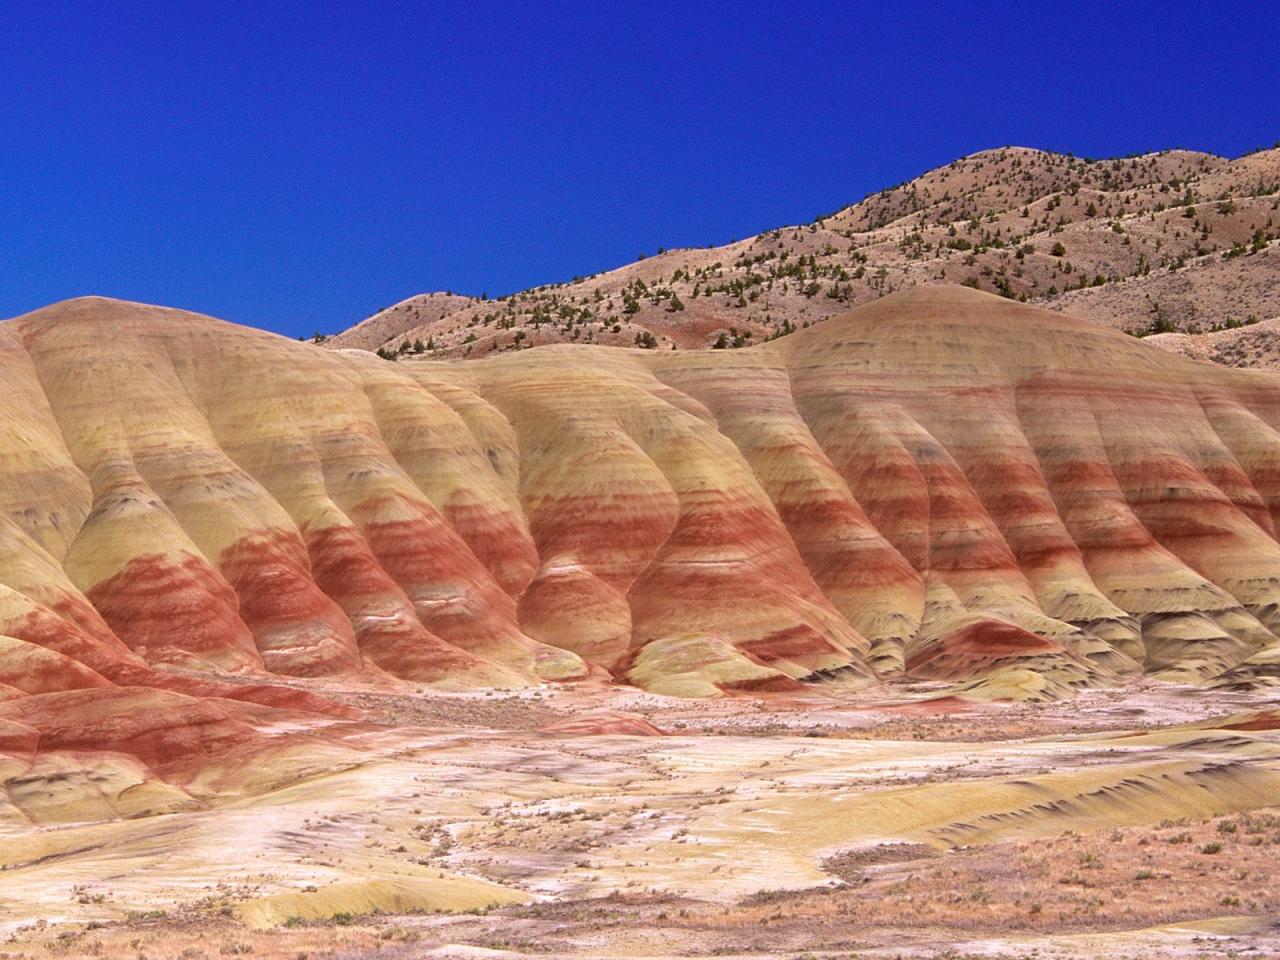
<point>1136,243</point>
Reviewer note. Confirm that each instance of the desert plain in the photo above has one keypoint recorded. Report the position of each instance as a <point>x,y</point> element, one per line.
<point>594,822</point>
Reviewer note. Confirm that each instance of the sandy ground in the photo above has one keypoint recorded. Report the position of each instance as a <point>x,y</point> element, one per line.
<point>1139,822</point>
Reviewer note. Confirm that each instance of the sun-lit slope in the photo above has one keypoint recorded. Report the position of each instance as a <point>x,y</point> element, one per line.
<point>1067,480</point>
<point>1174,240</point>
<point>941,482</point>
<point>873,585</point>
<point>397,319</point>
<point>256,504</point>
<point>650,525</point>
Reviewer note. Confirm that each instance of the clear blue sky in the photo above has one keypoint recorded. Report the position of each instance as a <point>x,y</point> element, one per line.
<point>297,166</point>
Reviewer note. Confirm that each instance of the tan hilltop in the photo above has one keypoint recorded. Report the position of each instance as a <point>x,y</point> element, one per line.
<point>1164,242</point>
<point>598,652</point>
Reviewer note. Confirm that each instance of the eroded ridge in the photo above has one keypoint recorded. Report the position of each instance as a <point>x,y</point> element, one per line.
<point>941,484</point>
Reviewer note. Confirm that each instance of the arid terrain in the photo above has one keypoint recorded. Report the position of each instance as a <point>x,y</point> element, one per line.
<point>949,626</point>
<point>1168,242</point>
<point>1140,821</point>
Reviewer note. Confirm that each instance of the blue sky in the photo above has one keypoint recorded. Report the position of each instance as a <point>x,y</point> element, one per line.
<point>298,166</point>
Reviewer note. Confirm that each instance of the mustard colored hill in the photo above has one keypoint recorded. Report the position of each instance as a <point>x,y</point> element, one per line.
<point>941,483</point>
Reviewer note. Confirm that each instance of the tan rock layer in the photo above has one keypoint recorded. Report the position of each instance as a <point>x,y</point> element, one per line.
<point>941,482</point>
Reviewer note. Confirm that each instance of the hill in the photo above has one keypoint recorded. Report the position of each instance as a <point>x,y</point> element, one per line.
<point>1165,242</point>
<point>941,481</point>
<point>304,639</point>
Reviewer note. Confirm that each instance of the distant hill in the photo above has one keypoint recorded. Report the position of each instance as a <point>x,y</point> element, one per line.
<point>1176,241</point>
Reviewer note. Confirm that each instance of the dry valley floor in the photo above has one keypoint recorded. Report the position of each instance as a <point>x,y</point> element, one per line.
<point>592,821</point>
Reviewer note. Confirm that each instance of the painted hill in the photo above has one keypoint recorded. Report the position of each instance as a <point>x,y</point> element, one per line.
<point>256,583</point>
<point>1172,241</point>
<point>942,481</point>
<point>204,524</point>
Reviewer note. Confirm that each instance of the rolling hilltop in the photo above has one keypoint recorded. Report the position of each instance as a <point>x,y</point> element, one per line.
<point>1177,241</point>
